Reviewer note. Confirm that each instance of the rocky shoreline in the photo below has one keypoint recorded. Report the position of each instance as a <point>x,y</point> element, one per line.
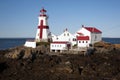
<point>23,63</point>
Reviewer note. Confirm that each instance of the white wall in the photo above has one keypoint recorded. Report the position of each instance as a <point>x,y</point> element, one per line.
<point>37,38</point>
<point>30,44</point>
<point>54,46</point>
<point>54,37</point>
<point>65,36</point>
<point>45,34</point>
<point>81,44</point>
<point>45,23</point>
<point>96,37</point>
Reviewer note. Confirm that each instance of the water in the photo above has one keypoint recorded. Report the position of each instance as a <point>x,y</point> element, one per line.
<point>6,43</point>
<point>112,40</point>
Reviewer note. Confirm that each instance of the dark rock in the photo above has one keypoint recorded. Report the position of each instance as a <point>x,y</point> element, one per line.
<point>3,66</point>
<point>30,64</point>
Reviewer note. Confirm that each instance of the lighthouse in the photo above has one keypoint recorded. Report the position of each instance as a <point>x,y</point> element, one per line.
<point>43,33</point>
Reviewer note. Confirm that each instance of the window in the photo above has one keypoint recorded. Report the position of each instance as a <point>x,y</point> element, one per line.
<point>53,50</point>
<point>79,41</point>
<point>64,34</point>
<point>86,41</point>
<point>58,50</point>
<point>74,39</point>
<point>52,45</point>
<point>83,41</point>
<point>95,38</point>
<point>67,34</point>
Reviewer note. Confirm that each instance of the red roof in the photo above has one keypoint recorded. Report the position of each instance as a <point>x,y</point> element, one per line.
<point>60,42</point>
<point>82,37</point>
<point>79,33</point>
<point>43,10</point>
<point>93,30</point>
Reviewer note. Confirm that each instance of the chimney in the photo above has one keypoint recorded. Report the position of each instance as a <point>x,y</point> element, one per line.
<point>82,25</point>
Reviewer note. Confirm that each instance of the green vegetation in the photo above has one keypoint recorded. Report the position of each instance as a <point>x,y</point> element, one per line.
<point>42,43</point>
<point>74,46</point>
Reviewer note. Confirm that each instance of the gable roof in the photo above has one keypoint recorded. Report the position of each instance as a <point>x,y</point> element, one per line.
<point>66,33</point>
<point>93,29</point>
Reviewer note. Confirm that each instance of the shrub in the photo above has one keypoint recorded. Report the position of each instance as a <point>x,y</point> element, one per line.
<point>42,43</point>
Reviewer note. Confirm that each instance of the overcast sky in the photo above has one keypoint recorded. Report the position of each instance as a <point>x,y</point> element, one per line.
<point>19,18</point>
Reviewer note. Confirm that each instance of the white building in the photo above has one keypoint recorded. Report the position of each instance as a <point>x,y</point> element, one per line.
<point>59,46</point>
<point>43,33</point>
<point>82,38</point>
<point>83,41</point>
<point>66,36</point>
<point>31,44</point>
<point>88,35</point>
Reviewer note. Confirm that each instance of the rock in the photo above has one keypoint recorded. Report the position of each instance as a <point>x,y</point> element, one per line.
<point>80,68</point>
<point>90,51</point>
<point>67,63</point>
<point>64,69</point>
<point>21,54</point>
<point>117,46</point>
<point>3,66</point>
<point>14,54</point>
<point>27,63</point>
<point>28,53</point>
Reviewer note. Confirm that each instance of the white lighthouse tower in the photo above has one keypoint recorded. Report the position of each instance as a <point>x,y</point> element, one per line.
<point>43,34</point>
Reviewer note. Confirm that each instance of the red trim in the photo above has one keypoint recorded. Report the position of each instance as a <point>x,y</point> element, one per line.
<point>79,33</point>
<point>44,27</point>
<point>60,42</point>
<point>43,15</point>
<point>43,10</point>
<point>82,37</point>
<point>92,29</point>
<point>41,27</point>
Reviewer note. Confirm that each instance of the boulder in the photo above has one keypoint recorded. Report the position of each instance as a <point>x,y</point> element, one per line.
<point>28,53</point>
